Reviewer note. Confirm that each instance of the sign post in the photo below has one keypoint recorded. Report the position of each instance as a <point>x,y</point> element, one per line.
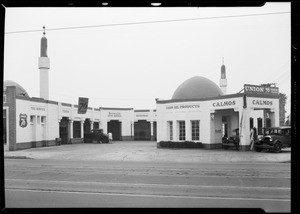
<point>82,105</point>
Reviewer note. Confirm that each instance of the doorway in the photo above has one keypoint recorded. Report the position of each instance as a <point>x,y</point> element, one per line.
<point>114,127</point>
<point>142,130</point>
<point>154,131</point>
<point>63,130</point>
<point>87,126</point>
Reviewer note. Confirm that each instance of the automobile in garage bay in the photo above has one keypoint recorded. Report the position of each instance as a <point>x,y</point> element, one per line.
<point>96,136</point>
<point>233,141</point>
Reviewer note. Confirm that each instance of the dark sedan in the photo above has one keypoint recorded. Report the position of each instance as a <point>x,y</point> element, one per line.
<point>96,135</point>
<point>275,139</point>
<point>233,141</point>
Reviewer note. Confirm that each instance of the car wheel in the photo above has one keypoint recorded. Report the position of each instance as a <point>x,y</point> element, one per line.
<point>277,147</point>
<point>258,149</point>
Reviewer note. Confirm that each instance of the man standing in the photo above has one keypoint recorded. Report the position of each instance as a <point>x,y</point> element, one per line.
<point>253,137</point>
<point>110,137</point>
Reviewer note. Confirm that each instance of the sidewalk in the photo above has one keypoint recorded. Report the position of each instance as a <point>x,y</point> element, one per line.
<point>145,151</point>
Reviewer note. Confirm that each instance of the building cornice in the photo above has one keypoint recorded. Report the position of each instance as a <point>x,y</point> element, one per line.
<point>275,96</point>
<point>111,108</point>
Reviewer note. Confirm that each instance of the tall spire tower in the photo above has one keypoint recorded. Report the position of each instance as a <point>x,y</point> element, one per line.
<point>223,80</point>
<point>44,65</point>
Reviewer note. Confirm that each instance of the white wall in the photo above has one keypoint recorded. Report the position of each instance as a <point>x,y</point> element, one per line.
<point>37,131</point>
<point>52,122</point>
<point>126,117</point>
<point>202,110</point>
<point>150,115</point>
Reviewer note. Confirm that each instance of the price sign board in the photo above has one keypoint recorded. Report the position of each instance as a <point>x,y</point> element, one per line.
<point>82,105</point>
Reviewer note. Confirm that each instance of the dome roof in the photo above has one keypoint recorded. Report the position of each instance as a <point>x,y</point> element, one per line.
<point>20,91</point>
<point>197,87</point>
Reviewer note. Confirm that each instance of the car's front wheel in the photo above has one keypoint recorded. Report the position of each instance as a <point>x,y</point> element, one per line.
<point>277,147</point>
<point>225,147</point>
<point>258,149</point>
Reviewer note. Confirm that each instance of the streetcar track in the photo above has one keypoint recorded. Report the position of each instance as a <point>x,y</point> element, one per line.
<point>150,195</point>
<point>148,184</point>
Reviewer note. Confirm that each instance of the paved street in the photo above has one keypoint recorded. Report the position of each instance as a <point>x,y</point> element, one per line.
<point>146,151</point>
<point>62,181</point>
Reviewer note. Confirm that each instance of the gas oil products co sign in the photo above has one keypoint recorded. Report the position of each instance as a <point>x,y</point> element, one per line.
<point>183,106</point>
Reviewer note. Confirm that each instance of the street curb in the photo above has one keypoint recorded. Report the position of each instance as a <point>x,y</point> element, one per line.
<point>16,157</point>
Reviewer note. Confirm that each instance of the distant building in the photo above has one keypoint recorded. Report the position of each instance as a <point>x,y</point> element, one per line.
<point>200,111</point>
<point>30,122</point>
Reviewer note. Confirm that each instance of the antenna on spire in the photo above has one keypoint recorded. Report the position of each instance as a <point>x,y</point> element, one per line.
<point>44,30</point>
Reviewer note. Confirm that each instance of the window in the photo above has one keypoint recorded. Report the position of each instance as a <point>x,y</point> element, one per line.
<point>43,119</point>
<point>31,119</point>
<point>181,130</point>
<point>96,125</point>
<point>259,126</point>
<point>76,129</point>
<point>170,129</point>
<point>251,122</point>
<point>195,130</point>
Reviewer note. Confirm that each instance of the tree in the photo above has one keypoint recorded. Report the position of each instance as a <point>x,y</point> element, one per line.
<point>282,111</point>
<point>282,102</point>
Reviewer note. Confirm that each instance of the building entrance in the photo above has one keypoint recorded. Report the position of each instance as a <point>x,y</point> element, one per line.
<point>114,127</point>
<point>63,130</point>
<point>142,130</point>
<point>154,131</point>
<point>87,126</point>
<point>226,123</point>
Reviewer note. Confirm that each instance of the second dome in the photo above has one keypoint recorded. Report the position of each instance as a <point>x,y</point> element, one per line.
<point>197,87</point>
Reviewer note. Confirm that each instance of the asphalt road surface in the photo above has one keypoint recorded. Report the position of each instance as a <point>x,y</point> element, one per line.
<point>31,183</point>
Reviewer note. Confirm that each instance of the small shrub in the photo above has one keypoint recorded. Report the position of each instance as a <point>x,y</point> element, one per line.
<point>179,144</point>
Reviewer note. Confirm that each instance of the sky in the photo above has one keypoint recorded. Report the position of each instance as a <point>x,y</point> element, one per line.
<point>129,65</point>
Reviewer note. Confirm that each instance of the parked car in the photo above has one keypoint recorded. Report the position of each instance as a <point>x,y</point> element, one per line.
<point>275,139</point>
<point>96,135</point>
<point>233,141</point>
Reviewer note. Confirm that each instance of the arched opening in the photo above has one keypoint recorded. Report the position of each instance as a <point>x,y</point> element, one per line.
<point>142,130</point>
<point>87,126</point>
<point>114,127</point>
<point>63,130</point>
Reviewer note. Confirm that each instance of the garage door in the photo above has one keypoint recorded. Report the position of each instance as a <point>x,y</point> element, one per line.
<point>114,127</point>
<point>142,130</point>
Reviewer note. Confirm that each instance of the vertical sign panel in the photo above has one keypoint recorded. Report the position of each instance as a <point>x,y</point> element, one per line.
<point>82,105</point>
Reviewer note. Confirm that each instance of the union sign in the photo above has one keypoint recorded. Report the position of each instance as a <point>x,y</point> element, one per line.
<point>260,89</point>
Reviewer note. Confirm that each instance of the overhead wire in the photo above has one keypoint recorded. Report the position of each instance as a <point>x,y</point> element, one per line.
<point>149,22</point>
